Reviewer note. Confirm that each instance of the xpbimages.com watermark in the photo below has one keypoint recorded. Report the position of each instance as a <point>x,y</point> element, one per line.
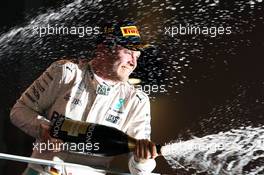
<point>149,89</point>
<point>186,147</point>
<point>86,148</point>
<point>211,31</point>
<point>80,31</point>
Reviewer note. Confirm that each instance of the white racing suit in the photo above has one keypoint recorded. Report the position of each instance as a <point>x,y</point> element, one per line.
<point>74,91</point>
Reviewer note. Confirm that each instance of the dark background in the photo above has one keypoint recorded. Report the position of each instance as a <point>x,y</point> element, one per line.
<point>224,79</point>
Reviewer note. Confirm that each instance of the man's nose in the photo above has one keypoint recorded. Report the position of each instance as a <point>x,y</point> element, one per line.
<point>133,59</point>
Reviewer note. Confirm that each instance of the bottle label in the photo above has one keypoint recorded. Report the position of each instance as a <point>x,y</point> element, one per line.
<point>74,128</point>
<point>62,126</point>
<point>90,138</point>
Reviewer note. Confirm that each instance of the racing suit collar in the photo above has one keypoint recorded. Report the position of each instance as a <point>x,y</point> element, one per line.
<point>100,80</point>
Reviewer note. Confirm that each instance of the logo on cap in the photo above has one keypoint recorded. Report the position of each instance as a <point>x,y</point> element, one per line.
<point>130,31</point>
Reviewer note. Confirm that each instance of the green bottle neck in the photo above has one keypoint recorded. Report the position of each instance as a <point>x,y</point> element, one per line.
<point>132,145</point>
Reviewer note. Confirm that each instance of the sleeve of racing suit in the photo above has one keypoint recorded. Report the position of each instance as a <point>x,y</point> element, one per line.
<point>28,112</point>
<point>140,129</point>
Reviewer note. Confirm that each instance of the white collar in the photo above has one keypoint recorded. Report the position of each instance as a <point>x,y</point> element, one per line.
<point>102,81</point>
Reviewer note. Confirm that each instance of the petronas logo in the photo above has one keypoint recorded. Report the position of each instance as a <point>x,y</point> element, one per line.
<point>120,103</point>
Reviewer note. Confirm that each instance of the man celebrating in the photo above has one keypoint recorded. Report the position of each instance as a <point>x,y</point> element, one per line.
<point>96,92</point>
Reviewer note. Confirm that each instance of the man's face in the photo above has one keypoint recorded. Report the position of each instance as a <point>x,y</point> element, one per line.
<point>124,62</point>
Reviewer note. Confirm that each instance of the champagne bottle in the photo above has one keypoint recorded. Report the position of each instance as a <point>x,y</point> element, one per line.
<point>99,139</point>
